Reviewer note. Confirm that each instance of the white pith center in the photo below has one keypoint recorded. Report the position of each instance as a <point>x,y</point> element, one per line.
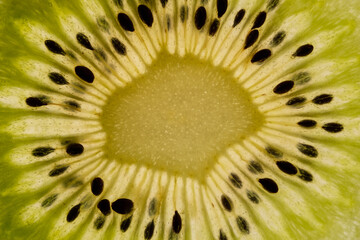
<point>179,116</point>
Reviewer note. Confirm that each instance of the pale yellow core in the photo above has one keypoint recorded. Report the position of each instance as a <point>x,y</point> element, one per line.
<point>178,117</point>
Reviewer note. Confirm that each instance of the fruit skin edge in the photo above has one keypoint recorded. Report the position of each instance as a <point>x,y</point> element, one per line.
<point>8,173</point>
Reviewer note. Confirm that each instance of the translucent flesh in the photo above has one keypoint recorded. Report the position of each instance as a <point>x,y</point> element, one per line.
<point>178,117</point>
<point>326,208</point>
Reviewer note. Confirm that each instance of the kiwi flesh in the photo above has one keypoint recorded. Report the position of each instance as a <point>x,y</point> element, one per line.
<point>185,119</point>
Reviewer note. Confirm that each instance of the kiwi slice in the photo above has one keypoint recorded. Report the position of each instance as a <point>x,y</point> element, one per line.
<point>182,119</point>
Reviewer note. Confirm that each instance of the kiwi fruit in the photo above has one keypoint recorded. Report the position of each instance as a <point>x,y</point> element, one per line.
<point>182,119</point>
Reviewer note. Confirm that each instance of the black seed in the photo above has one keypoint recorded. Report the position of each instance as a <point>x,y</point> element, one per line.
<point>57,171</point>
<point>221,7</point>
<point>42,151</point>
<point>278,38</point>
<point>323,99</point>
<point>72,104</point>
<point>97,186</point>
<point>37,101</point>
<point>176,222</point>
<point>274,152</point>
<point>122,206</point>
<point>307,123</point>
<point>287,167</point>
<point>296,101</point>
<point>304,50</point>
<point>125,224</point>
<point>235,180</point>
<point>118,46</point>
<point>214,27</point>
<point>283,87</point>
<point>243,225</point>
<point>125,22</point>
<point>183,13</point>
<point>255,167</point>
<point>272,4</point>
<point>99,222</point>
<point>145,15</point>
<point>253,196</point>
<point>58,78</point>
<point>251,38</point>
<point>261,56</point>
<point>74,149</point>
<point>149,230</point>
<point>269,185</point>
<point>259,20</point>
<point>239,17</point>
<point>152,207</point>
<point>333,127</point>
<point>73,213</point>
<point>305,175</point>
<point>226,202</point>
<point>222,235</point>
<point>104,207</point>
<point>49,201</point>
<point>307,150</point>
<point>302,78</point>
<point>84,73</point>
<point>54,47</point>
<point>200,17</point>
<point>163,3</point>
<point>84,41</point>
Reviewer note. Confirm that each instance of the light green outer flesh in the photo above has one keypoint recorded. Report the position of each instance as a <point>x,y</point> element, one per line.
<point>342,223</point>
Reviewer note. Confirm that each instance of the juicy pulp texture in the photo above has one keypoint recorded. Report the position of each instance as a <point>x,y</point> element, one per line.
<point>291,173</point>
<point>178,117</point>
